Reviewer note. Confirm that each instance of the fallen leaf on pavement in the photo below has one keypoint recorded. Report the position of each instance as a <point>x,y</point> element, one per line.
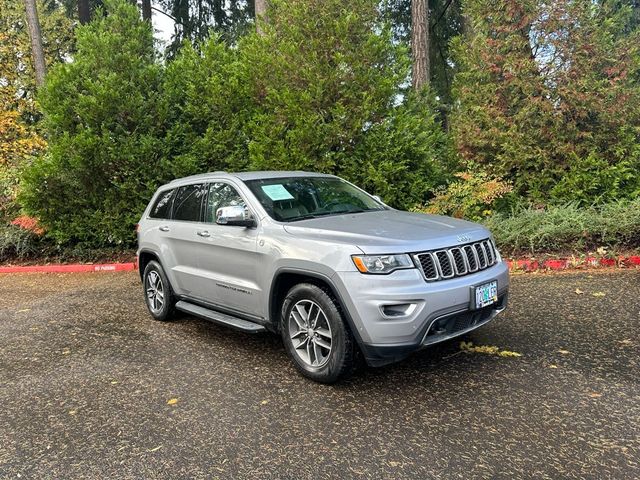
<point>469,347</point>
<point>579,292</point>
<point>595,395</point>
<point>172,401</point>
<point>264,402</point>
<point>553,366</point>
<point>24,310</point>
<point>155,449</point>
<point>564,352</point>
<point>72,412</point>
<point>598,294</point>
<point>626,341</point>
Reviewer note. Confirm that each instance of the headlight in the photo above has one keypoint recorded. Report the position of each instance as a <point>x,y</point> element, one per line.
<point>381,263</point>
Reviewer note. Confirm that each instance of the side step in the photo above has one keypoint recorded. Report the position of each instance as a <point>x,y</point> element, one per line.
<point>220,318</point>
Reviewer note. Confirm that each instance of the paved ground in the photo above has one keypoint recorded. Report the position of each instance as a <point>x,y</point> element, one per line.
<point>87,379</point>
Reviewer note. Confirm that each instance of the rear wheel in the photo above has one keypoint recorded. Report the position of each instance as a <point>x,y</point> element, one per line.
<point>315,334</point>
<point>158,293</point>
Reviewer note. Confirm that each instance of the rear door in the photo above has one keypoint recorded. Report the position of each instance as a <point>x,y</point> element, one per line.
<point>155,227</point>
<point>183,240</point>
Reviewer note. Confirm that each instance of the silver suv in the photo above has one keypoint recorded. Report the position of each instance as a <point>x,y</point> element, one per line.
<point>336,272</point>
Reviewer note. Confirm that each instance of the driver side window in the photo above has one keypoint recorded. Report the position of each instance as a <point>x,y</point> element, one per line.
<point>221,195</point>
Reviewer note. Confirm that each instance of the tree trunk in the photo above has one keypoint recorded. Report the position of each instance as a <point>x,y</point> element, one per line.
<point>261,15</point>
<point>146,10</point>
<point>35,34</point>
<point>84,12</point>
<point>420,43</point>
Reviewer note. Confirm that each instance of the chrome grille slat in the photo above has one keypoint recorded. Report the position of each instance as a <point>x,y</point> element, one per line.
<point>456,261</point>
<point>487,254</point>
<point>459,261</point>
<point>491,258</point>
<point>472,257</point>
<point>428,266</point>
<point>444,264</point>
<point>482,260</point>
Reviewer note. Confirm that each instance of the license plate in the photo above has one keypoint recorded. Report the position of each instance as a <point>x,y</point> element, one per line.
<point>485,294</point>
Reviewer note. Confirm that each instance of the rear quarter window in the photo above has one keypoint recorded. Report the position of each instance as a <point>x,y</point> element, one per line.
<point>162,206</point>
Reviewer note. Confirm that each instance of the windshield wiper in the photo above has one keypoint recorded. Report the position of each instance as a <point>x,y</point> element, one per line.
<point>326,214</point>
<point>340,212</point>
<point>301,217</point>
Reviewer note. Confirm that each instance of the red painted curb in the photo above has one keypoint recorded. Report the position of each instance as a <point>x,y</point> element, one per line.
<point>635,260</point>
<point>526,265</point>
<point>574,263</point>
<point>105,267</point>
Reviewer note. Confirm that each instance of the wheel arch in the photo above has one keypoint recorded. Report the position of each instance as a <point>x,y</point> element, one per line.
<point>144,257</point>
<point>286,277</point>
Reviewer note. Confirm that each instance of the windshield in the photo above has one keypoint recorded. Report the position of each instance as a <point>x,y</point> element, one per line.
<point>296,198</point>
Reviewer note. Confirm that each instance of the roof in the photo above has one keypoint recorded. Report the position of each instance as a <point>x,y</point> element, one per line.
<point>276,174</point>
<point>249,175</point>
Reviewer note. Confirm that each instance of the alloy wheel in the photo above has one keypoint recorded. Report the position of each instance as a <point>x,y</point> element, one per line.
<point>155,292</point>
<point>310,333</point>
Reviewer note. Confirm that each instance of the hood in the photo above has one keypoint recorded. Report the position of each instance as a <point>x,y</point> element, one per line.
<point>390,231</point>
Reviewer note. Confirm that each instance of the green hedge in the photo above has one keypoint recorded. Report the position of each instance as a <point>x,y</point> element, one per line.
<point>323,90</point>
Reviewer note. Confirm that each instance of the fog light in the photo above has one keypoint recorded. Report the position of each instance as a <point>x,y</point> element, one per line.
<point>398,310</point>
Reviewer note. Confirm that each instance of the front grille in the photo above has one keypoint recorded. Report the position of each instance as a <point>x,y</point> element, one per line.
<point>457,261</point>
<point>462,322</point>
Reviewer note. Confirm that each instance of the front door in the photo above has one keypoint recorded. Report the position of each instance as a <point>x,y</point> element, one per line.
<point>227,256</point>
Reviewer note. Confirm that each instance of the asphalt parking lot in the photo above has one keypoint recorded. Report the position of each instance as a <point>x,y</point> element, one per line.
<point>91,387</point>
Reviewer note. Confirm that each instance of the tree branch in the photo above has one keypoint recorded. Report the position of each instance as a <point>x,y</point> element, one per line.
<point>444,10</point>
<point>167,15</point>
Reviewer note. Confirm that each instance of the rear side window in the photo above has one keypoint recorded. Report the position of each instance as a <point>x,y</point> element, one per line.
<point>188,201</point>
<point>162,207</point>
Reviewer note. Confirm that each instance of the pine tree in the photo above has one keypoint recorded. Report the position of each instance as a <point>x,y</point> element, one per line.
<point>420,73</point>
<point>548,96</point>
<point>37,52</point>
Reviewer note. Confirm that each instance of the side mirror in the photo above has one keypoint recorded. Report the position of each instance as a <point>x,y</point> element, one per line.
<point>376,197</point>
<point>236,215</point>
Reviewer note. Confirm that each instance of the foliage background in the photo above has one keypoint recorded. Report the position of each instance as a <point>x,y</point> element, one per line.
<point>20,137</point>
<point>533,106</point>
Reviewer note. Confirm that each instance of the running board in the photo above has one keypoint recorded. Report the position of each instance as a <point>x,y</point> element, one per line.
<point>219,317</point>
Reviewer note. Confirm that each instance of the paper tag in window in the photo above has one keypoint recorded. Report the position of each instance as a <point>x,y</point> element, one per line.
<point>277,192</point>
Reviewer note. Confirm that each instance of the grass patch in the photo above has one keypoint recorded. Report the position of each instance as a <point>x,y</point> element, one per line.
<point>18,243</point>
<point>567,229</point>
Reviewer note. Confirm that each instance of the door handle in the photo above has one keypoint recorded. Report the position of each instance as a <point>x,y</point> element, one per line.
<point>204,233</point>
<point>163,228</point>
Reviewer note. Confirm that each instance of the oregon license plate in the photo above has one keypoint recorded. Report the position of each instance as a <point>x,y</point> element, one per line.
<point>485,294</point>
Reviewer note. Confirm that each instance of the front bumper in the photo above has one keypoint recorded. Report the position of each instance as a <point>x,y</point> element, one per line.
<point>394,315</point>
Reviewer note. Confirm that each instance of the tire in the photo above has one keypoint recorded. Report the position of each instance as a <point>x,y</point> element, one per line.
<point>158,296</point>
<point>323,327</point>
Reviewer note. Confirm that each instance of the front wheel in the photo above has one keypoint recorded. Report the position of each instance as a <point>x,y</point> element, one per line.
<point>158,293</point>
<point>315,334</point>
